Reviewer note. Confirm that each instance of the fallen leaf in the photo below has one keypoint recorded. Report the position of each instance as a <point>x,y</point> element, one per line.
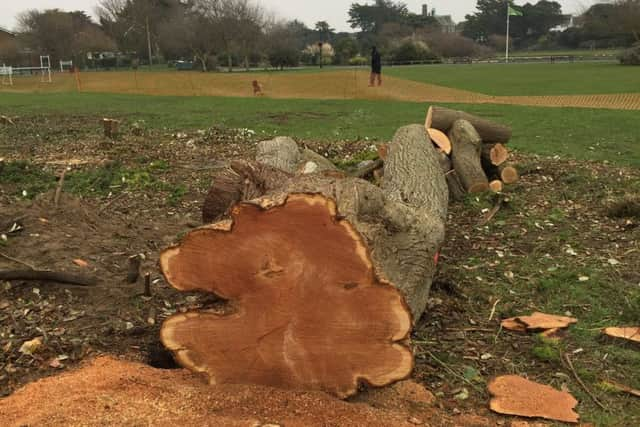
<point>81,263</point>
<point>583,278</point>
<point>31,346</point>
<point>613,261</point>
<point>55,363</point>
<point>627,333</point>
<point>513,324</point>
<point>537,321</point>
<point>514,395</point>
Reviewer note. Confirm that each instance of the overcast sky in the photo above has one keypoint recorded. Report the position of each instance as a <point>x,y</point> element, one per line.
<point>333,11</point>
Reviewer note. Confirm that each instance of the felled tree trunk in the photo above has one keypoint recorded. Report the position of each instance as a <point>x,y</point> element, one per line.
<point>306,267</point>
<point>465,156</point>
<point>456,191</point>
<point>490,132</point>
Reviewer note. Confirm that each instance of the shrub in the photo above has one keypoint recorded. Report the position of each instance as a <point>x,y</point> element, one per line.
<point>358,60</point>
<point>631,56</point>
<point>409,50</point>
<point>453,45</point>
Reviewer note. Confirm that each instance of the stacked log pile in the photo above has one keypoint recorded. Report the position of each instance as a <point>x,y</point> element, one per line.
<point>471,150</point>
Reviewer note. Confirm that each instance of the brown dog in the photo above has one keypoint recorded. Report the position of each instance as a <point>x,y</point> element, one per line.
<point>257,88</point>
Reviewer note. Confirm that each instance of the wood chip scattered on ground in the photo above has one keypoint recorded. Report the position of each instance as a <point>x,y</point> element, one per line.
<point>514,395</point>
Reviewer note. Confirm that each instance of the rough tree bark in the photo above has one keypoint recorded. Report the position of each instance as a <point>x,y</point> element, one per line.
<point>490,132</point>
<point>293,252</point>
<point>465,156</point>
<point>456,191</point>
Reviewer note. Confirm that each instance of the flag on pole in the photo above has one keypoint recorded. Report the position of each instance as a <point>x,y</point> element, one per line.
<point>514,12</point>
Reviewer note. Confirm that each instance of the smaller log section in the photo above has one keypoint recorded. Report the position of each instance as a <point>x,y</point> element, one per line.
<point>465,156</point>
<point>440,139</point>
<point>490,132</point>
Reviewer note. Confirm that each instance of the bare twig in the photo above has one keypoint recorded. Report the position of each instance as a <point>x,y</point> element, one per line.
<point>16,260</point>
<point>110,202</point>
<point>451,371</point>
<point>493,310</point>
<point>491,213</point>
<point>582,384</point>
<point>623,388</point>
<point>56,198</point>
<point>48,276</point>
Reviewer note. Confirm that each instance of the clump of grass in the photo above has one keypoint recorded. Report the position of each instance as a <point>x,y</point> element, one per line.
<point>627,207</point>
<point>26,179</point>
<point>547,349</point>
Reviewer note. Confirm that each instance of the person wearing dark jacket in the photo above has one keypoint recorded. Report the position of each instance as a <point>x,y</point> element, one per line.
<point>376,67</point>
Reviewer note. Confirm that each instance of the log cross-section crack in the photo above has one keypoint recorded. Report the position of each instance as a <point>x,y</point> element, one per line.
<point>311,311</point>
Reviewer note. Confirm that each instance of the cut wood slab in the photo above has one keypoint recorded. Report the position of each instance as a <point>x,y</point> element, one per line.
<point>490,132</point>
<point>309,309</point>
<point>627,333</point>
<point>514,395</point>
<point>440,139</point>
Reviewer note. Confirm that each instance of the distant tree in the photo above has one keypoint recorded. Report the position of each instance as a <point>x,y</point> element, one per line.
<point>283,44</point>
<point>62,35</point>
<point>491,18</point>
<point>345,47</point>
<point>324,31</point>
<point>371,18</point>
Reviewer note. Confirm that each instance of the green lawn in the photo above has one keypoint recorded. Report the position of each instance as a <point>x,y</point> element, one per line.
<point>527,79</point>
<point>580,133</point>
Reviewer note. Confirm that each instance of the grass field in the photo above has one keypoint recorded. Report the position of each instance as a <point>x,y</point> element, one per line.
<point>527,79</point>
<point>574,132</point>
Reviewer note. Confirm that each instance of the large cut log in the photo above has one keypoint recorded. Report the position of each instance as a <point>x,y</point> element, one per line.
<point>305,265</point>
<point>465,156</point>
<point>304,289</point>
<point>490,132</point>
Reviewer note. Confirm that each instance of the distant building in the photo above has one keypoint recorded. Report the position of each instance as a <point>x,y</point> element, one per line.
<point>6,37</point>
<point>447,25</point>
<point>568,21</point>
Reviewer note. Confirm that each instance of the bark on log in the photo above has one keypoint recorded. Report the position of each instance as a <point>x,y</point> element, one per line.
<point>465,156</point>
<point>305,265</point>
<point>456,191</point>
<point>490,132</point>
<point>323,163</point>
<point>281,152</point>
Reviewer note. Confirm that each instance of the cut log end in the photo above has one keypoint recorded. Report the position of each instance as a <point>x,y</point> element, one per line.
<point>496,186</point>
<point>440,140</point>
<point>509,174</point>
<point>429,120</point>
<point>498,154</point>
<point>299,300</point>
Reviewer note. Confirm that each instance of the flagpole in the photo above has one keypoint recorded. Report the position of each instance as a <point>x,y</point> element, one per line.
<point>506,50</point>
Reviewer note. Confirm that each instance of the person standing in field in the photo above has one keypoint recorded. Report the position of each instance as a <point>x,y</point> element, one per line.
<point>376,67</point>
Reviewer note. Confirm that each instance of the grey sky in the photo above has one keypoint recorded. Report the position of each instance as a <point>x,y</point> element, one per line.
<point>333,11</point>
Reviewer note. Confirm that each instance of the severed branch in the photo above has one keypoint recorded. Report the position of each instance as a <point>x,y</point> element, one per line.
<point>363,172</point>
<point>16,260</point>
<point>582,384</point>
<point>48,276</point>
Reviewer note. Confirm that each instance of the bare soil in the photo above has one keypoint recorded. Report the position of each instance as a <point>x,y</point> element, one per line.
<point>77,324</point>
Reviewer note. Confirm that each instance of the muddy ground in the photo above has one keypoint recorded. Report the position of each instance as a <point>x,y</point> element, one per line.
<point>563,222</point>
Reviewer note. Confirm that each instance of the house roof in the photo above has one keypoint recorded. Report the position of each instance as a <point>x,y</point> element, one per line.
<point>445,20</point>
<point>4,30</point>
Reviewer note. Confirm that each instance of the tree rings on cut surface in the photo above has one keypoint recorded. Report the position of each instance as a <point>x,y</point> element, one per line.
<point>309,310</point>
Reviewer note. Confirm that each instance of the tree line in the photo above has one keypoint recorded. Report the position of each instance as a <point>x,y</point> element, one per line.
<point>241,33</point>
